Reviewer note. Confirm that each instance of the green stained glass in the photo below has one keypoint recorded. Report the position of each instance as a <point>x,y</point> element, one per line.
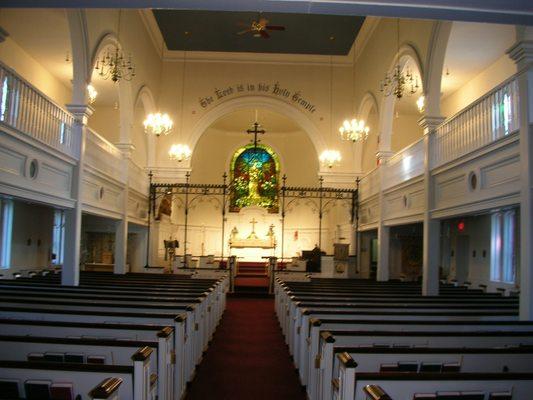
<point>255,178</point>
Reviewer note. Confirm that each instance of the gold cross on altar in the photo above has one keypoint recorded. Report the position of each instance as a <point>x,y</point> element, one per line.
<point>253,222</point>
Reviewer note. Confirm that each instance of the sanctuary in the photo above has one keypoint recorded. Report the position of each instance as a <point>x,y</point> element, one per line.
<point>342,187</point>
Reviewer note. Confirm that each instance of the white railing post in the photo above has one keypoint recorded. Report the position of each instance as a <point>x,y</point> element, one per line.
<point>431,231</point>
<point>522,54</point>
<point>71,265</point>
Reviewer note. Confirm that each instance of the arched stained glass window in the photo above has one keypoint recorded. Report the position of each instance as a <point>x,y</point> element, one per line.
<point>255,178</point>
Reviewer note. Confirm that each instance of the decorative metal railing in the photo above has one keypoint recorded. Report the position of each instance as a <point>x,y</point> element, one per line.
<point>28,111</point>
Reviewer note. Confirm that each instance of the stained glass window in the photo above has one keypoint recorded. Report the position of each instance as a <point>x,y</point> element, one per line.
<point>255,178</point>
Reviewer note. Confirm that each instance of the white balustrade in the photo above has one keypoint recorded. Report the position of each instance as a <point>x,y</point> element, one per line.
<point>408,163</point>
<point>492,117</point>
<point>369,184</point>
<point>138,178</point>
<point>104,156</point>
<point>25,109</point>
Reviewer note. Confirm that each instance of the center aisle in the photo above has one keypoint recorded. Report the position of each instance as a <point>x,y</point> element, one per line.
<point>248,358</point>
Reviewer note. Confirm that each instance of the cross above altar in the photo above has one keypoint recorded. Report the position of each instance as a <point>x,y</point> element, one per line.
<point>253,222</point>
<point>256,131</point>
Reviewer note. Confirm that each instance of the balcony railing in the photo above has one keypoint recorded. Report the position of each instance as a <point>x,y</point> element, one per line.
<point>138,178</point>
<point>492,117</point>
<point>104,156</point>
<point>370,184</point>
<point>27,110</point>
<point>404,165</point>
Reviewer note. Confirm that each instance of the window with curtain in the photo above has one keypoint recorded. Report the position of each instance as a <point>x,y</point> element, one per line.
<point>503,245</point>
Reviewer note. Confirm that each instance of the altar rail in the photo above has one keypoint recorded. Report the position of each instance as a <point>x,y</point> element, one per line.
<point>30,112</point>
<point>491,117</point>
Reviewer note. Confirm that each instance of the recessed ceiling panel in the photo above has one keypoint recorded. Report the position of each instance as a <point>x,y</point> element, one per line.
<point>218,31</point>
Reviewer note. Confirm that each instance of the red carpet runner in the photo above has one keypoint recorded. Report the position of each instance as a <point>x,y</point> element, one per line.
<point>247,358</point>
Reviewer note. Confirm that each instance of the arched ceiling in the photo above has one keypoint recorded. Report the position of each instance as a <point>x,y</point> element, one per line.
<point>243,119</point>
<point>471,49</point>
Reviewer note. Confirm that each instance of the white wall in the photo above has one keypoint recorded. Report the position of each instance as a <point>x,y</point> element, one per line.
<point>487,79</point>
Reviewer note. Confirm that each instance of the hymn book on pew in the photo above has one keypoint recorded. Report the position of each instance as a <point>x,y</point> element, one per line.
<point>37,389</point>
<point>62,391</point>
<point>9,389</point>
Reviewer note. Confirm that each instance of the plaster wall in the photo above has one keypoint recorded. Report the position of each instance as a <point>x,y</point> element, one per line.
<point>486,80</point>
<point>25,65</point>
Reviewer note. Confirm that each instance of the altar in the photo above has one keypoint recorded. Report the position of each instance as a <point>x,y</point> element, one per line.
<point>253,234</point>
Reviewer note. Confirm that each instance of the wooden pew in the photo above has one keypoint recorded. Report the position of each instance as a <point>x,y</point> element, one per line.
<point>320,377</point>
<point>116,352</point>
<point>183,358</point>
<point>84,377</point>
<point>460,386</point>
<point>310,341</point>
<point>350,361</point>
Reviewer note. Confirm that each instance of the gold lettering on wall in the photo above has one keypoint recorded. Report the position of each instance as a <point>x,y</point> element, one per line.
<point>272,89</point>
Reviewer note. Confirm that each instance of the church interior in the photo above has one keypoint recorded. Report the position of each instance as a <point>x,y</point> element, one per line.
<point>319,200</point>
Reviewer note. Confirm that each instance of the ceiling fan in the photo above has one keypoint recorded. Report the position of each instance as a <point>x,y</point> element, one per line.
<point>259,28</point>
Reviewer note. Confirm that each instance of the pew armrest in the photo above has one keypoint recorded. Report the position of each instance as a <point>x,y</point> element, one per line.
<point>107,389</point>
<point>376,393</point>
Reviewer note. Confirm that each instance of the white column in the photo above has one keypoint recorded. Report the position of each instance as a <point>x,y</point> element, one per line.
<point>431,234</point>
<point>522,54</point>
<point>70,273</point>
<point>382,273</point>
<point>121,226</point>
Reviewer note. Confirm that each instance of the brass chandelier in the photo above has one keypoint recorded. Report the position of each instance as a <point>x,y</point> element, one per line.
<point>397,82</point>
<point>354,130</point>
<point>330,157</point>
<point>157,123</point>
<point>114,64</point>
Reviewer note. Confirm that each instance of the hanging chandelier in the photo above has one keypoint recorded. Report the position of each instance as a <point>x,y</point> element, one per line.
<point>158,124</point>
<point>115,66</point>
<point>397,82</point>
<point>179,152</point>
<point>354,130</point>
<point>91,94</point>
<point>330,158</point>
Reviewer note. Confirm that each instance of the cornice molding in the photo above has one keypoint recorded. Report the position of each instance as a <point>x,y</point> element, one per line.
<point>148,19</point>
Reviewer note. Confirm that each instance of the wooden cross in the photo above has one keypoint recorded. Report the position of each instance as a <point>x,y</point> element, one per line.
<point>253,222</point>
<point>256,131</point>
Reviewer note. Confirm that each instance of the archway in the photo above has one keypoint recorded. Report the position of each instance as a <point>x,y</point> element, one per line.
<point>258,102</point>
<point>369,112</point>
<point>407,59</point>
<point>144,105</point>
<point>114,103</point>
